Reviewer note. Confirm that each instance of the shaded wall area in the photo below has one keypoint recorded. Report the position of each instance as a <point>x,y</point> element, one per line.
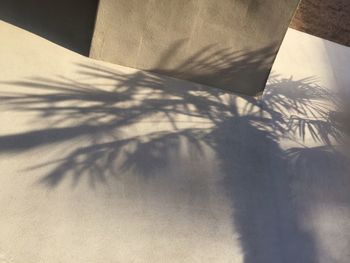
<point>65,22</point>
<point>96,157</point>
<point>177,38</point>
<point>328,19</point>
<point>196,154</point>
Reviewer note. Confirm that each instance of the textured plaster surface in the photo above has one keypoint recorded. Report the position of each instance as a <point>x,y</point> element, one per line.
<point>103,163</point>
<point>229,44</point>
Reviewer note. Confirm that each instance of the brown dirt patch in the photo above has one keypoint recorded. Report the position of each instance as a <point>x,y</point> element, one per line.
<point>329,19</point>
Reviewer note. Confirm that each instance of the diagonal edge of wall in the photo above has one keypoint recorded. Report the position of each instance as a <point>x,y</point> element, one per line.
<point>229,44</point>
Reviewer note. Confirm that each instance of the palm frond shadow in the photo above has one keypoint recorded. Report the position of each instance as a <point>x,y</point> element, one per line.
<point>142,123</point>
<point>103,113</point>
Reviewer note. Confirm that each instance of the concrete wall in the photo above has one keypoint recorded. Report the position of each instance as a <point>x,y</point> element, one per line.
<point>102,163</point>
<point>229,44</point>
<point>68,23</point>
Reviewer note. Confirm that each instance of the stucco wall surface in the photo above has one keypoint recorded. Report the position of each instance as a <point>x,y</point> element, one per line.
<point>230,44</point>
<point>104,163</point>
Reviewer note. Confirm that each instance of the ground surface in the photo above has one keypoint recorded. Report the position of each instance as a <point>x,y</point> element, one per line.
<point>102,163</point>
<point>328,19</point>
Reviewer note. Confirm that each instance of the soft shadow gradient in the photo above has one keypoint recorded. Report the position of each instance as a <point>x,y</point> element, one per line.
<point>244,133</point>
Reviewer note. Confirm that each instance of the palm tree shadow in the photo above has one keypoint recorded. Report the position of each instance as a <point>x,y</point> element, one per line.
<point>138,122</point>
